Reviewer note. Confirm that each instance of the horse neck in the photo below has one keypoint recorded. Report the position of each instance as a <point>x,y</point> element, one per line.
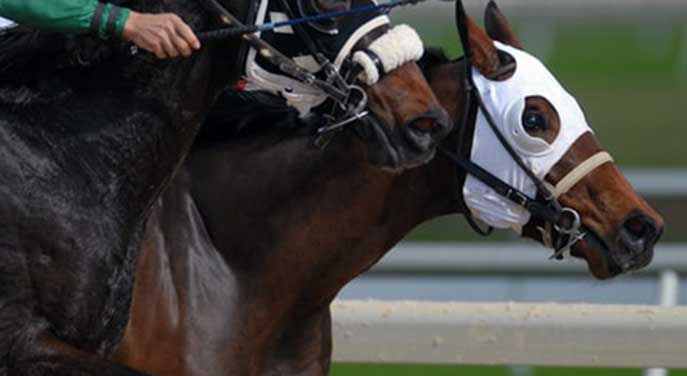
<point>380,210</point>
<point>350,213</point>
<point>274,205</point>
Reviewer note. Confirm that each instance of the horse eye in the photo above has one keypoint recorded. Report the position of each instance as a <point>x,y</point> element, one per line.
<point>534,121</point>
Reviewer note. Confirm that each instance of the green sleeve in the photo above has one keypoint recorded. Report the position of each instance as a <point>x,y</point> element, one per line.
<point>74,16</point>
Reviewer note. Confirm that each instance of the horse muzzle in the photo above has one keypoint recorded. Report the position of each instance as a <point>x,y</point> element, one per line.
<point>630,249</point>
<point>409,145</point>
<point>636,237</point>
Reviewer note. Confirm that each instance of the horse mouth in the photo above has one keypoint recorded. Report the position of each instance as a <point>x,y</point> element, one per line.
<point>605,261</point>
<point>594,250</point>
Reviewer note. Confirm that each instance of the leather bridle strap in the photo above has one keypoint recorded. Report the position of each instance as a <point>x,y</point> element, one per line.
<point>578,173</point>
<point>540,209</point>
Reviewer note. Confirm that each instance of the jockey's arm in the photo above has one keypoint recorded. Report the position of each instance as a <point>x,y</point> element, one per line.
<point>166,35</point>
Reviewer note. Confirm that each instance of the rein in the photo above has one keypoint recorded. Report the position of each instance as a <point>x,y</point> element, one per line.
<point>561,223</point>
<point>237,30</point>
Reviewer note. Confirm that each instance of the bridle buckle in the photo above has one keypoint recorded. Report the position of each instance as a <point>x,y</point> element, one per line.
<point>354,109</point>
<point>568,227</point>
<point>569,221</point>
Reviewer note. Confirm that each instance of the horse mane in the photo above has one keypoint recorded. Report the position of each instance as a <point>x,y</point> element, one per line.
<point>239,113</point>
<point>432,57</point>
<point>21,47</point>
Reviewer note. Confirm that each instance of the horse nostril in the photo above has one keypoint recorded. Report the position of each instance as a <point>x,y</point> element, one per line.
<point>419,134</point>
<point>426,130</point>
<point>432,122</point>
<point>423,125</point>
<point>637,226</point>
<point>639,233</point>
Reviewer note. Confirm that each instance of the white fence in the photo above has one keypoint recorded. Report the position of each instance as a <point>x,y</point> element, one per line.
<point>550,334</point>
<point>510,334</point>
<point>505,258</point>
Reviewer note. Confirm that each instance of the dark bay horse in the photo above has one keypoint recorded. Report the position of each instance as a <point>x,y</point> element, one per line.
<point>89,137</point>
<point>257,234</point>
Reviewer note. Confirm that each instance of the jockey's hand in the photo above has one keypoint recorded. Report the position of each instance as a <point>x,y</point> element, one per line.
<point>165,35</point>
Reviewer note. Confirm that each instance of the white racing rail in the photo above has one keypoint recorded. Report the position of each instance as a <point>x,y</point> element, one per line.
<point>510,334</point>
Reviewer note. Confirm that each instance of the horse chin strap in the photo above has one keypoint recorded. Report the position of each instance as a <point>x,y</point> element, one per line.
<point>562,226</point>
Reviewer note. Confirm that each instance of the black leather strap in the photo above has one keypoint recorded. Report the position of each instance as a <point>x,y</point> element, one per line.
<point>111,27</point>
<point>376,60</point>
<point>302,33</point>
<point>535,207</point>
<point>97,17</point>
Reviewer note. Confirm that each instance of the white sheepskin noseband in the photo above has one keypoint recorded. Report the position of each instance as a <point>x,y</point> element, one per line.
<point>398,46</point>
<point>505,101</point>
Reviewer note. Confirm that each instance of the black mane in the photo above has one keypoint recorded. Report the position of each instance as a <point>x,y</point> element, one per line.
<point>432,57</point>
<point>238,113</point>
<point>23,48</point>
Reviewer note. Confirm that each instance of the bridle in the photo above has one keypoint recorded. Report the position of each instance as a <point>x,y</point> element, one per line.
<point>562,226</point>
<point>348,97</point>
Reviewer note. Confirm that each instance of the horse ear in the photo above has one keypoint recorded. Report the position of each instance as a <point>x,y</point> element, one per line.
<point>497,26</point>
<point>485,56</point>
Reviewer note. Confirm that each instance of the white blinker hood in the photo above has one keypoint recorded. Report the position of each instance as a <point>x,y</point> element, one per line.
<point>505,101</point>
